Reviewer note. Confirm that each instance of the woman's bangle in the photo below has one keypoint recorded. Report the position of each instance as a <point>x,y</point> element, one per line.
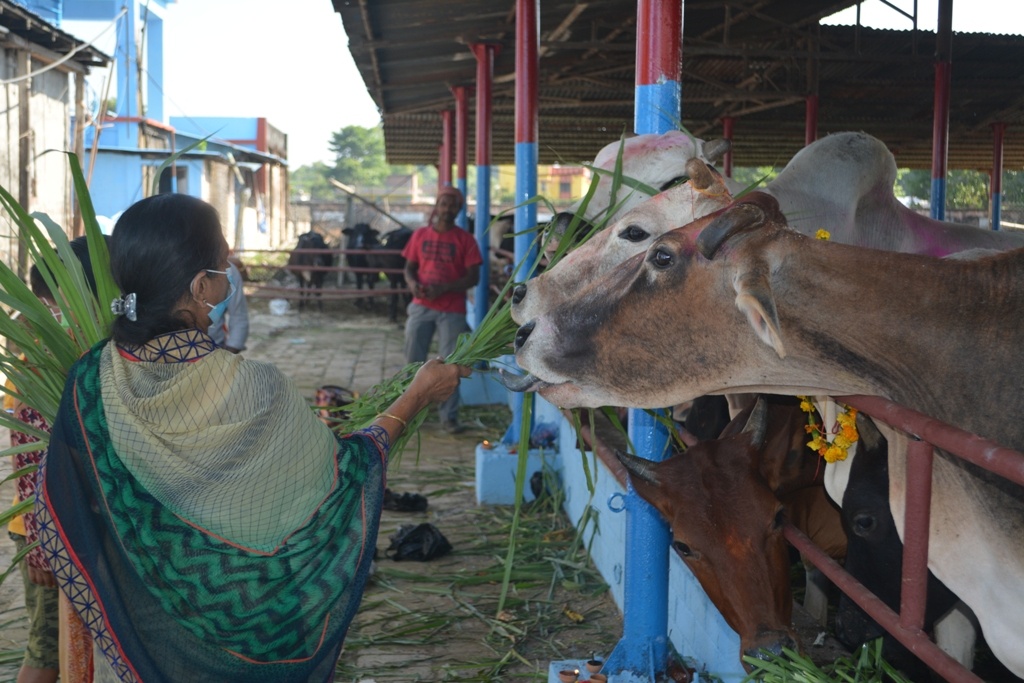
<point>393,417</point>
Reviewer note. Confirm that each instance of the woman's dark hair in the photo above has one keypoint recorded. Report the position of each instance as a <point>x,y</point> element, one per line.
<point>157,247</point>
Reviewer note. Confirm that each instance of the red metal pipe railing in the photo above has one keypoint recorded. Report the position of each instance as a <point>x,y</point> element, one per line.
<point>925,433</point>
<point>917,641</point>
<point>918,501</point>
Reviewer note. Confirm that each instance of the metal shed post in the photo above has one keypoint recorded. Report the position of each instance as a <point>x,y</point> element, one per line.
<point>444,171</point>
<point>940,126</point>
<point>643,650</point>
<point>727,125</point>
<point>995,217</point>
<point>461,145</point>
<point>484,53</point>
<point>526,153</point>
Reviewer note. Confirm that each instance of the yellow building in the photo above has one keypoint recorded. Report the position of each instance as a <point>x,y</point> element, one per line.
<point>560,185</point>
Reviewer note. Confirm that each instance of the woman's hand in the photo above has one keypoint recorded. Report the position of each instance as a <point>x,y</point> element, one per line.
<point>436,381</point>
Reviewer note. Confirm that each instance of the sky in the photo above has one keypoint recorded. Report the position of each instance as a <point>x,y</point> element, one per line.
<point>289,61</point>
<point>286,61</point>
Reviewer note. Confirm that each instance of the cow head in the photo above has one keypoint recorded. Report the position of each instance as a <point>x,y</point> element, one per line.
<point>704,193</point>
<point>360,236</point>
<point>656,161</point>
<point>691,300</point>
<point>727,526</point>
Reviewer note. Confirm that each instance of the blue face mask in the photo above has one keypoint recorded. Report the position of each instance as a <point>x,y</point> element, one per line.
<point>217,311</point>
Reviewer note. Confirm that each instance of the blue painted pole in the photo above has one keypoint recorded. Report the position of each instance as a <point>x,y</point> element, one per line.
<point>996,184</point>
<point>127,76</point>
<point>483,240</point>
<point>643,650</point>
<point>484,76</point>
<point>526,155</point>
<point>940,121</point>
<point>461,147</point>
<point>525,217</point>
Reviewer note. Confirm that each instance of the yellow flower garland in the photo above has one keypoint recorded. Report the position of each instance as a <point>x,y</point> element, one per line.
<point>845,431</point>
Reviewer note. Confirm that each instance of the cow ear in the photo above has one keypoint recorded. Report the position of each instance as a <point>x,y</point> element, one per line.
<point>754,298</point>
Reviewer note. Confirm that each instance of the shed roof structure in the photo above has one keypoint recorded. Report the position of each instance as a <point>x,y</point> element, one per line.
<point>754,60</point>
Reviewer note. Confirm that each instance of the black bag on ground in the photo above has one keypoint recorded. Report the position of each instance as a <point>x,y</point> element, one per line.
<point>421,543</point>
<point>404,502</point>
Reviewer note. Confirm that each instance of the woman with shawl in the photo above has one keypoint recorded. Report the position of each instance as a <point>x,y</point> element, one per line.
<point>205,524</point>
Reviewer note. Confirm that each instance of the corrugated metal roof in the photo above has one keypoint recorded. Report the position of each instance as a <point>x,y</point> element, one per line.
<point>751,59</point>
<point>35,29</point>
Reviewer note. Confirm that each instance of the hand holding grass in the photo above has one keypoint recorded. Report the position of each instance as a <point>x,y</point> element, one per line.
<point>433,382</point>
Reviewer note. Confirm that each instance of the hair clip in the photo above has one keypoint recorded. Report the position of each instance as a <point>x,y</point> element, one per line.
<point>124,305</point>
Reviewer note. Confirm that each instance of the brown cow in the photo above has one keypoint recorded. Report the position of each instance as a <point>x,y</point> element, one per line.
<point>759,307</point>
<point>726,517</point>
<point>734,568</point>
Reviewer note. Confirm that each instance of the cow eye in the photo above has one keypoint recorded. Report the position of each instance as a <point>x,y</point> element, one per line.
<point>634,233</point>
<point>864,524</point>
<point>678,180</point>
<point>683,549</point>
<point>662,258</point>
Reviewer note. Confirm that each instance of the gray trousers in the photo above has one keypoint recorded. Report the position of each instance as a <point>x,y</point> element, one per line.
<point>420,326</point>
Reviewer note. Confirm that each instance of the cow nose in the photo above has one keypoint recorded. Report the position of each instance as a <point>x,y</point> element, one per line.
<point>519,293</point>
<point>523,334</point>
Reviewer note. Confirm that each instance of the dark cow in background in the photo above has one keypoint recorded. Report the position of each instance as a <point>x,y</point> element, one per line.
<point>875,558</point>
<point>361,236</point>
<point>393,266</point>
<point>307,266</point>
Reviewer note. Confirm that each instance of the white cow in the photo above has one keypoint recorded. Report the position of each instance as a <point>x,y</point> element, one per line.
<point>758,307</point>
<point>841,183</point>
<point>655,161</point>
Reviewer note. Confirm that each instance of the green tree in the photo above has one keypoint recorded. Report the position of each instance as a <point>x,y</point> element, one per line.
<point>754,177</point>
<point>964,189</point>
<point>310,182</point>
<point>359,156</point>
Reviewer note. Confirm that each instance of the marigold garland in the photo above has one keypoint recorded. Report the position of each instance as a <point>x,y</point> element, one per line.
<point>845,430</point>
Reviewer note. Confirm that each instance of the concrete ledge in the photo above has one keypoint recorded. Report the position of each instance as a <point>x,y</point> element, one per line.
<point>481,389</point>
<point>496,473</point>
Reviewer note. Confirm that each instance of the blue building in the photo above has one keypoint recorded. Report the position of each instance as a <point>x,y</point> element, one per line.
<point>237,164</point>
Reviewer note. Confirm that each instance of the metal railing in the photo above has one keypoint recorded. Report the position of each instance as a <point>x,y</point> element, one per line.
<point>925,434</point>
<point>262,286</point>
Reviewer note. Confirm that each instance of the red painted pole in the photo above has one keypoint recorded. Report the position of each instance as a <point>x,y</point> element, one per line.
<point>658,57</point>
<point>484,53</point>
<point>810,119</point>
<point>727,125</point>
<point>461,94</point>
<point>444,172</point>
<point>527,67</point>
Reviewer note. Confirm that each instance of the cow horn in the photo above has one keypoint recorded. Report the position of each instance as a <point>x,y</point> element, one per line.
<point>714,150</point>
<point>737,218</point>
<point>701,177</point>
<point>757,423</point>
<point>638,467</point>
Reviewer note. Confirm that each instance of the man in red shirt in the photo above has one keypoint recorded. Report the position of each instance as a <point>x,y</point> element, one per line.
<point>442,261</point>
